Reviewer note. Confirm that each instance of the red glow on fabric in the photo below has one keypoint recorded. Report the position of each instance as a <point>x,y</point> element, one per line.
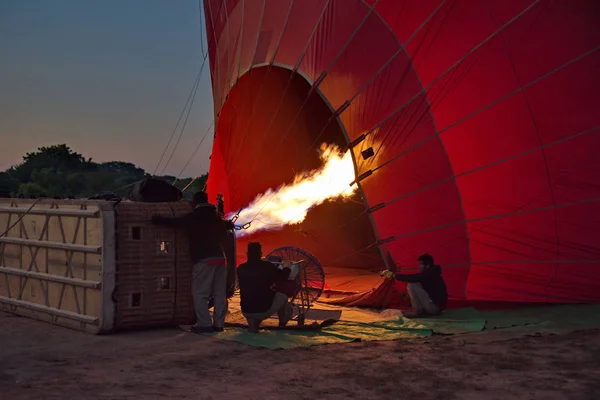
<point>483,116</point>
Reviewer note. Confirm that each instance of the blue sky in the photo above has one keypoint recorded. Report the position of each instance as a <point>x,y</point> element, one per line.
<point>108,78</point>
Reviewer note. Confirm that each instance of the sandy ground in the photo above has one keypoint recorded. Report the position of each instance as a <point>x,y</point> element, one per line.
<point>42,361</point>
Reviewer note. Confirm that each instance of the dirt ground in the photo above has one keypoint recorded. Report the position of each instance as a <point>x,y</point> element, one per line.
<point>42,361</point>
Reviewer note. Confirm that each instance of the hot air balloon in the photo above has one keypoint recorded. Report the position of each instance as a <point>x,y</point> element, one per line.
<point>473,129</point>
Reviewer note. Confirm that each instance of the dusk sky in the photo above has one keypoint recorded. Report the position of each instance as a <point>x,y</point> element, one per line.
<point>108,78</point>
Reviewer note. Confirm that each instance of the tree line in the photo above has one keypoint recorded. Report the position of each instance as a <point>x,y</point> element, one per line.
<point>59,172</point>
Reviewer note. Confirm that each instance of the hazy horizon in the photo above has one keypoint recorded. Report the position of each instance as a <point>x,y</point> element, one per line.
<point>109,79</point>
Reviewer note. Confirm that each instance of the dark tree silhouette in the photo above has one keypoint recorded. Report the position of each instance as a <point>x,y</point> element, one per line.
<point>58,171</point>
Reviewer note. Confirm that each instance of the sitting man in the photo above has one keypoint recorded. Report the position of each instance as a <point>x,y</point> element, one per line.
<point>259,301</point>
<point>426,289</point>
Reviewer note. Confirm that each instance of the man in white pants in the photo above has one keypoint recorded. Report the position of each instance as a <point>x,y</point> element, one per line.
<point>206,233</point>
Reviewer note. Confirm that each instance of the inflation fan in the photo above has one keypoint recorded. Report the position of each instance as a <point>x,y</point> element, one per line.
<point>310,278</point>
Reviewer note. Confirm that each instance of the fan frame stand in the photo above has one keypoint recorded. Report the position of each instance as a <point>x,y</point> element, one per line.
<point>305,303</point>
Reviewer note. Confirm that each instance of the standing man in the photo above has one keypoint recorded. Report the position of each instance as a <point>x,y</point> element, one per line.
<point>426,289</point>
<point>206,231</point>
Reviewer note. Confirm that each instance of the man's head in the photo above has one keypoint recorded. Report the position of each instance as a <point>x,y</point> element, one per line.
<point>199,198</point>
<point>254,251</point>
<point>425,261</point>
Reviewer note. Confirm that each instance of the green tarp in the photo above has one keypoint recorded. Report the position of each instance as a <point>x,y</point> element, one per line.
<point>467,320</point>
<point>339,332</point>
<point>344,331</point>
<point>452,322</point>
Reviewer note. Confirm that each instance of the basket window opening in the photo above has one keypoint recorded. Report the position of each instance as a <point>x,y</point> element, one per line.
<point>164,247</point>
<point>165,283</point>
<point>136,233</point>
<point>136,300</point>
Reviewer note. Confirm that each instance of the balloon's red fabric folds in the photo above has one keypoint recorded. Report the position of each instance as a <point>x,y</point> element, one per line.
<point>471,128</point>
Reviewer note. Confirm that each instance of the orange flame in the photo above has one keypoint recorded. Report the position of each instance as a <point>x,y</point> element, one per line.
<point>289,204</point>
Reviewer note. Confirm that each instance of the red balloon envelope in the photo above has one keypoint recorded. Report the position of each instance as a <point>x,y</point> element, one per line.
<point>474,129</point>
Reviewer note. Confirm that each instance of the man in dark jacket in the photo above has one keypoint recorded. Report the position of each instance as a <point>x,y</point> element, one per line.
<point>257,279</point>
<point>426,289</point>
<point>206,231</point>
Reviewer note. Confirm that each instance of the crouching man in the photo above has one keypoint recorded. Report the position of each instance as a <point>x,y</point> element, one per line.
<point>259,300</point>
<point>426,289</point>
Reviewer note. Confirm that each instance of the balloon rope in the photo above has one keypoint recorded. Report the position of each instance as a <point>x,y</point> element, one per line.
<point>192,91</point>
<point>20,218</point>
<point>186,117</point>
<point>191,98</point>
<point>194,152</point>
